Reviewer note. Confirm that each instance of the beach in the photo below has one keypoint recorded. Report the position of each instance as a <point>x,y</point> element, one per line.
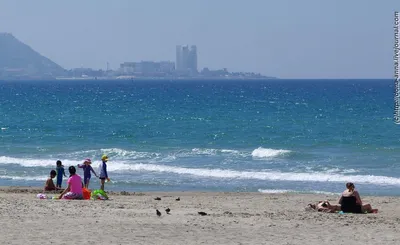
<point>232,218</point>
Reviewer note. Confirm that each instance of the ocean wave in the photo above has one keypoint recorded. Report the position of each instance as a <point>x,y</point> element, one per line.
<point>268,153</point>
<point>207,151</point>
<point>273,191</point>
<point>121,153</point>
<point>26,178</point>
<point>153,182</point>
<point>132,155</point>
<point>271,176</point>
<point>217,173</point>
<point>326,175</point>
<point>338,170</point>
<point>116,153</point>
<point>26,162</point>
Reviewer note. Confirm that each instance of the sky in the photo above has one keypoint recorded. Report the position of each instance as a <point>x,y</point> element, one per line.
<point>281,38</point>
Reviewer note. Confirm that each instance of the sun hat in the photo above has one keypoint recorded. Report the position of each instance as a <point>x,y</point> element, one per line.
<point>104,157</point>
<point>88,160</point>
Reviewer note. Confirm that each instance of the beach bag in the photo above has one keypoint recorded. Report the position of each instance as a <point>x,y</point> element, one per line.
<point>86,194</point>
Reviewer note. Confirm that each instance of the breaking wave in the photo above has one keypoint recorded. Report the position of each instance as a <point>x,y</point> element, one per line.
<point>268,153</point>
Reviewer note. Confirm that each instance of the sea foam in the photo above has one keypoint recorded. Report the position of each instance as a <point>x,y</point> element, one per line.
<point>268,153</point>
<point>263,175</point>
<point>217,173</point>
<point>278,191</point>
<point>26,178</point>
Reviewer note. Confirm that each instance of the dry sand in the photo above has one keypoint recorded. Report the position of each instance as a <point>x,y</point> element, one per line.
<point>233,218</point>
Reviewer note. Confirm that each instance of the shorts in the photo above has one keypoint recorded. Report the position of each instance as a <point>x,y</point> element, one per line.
<point>86,179</point>
<point>50,189</point>
<point>102,178</point>
<point>72,195</point>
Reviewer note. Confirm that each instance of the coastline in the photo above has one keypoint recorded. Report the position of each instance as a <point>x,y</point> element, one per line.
<point>167,78</point>
<point>232,218</point>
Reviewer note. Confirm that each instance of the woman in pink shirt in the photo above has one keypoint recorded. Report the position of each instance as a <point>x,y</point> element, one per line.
<point>74,189</point>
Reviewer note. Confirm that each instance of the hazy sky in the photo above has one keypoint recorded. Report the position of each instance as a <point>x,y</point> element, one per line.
<point>287,39</point>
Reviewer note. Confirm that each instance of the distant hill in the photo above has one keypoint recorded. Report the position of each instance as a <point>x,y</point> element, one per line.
<point>19,61</point>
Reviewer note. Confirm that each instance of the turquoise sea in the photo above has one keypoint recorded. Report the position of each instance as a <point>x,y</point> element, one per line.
<point>245,135</point>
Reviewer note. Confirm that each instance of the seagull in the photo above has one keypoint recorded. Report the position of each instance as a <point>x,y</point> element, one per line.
<point>158,212</point>
<point>202,213</point>
<point>157,198</point>
<point>168,210</point>
<point>178,199</point>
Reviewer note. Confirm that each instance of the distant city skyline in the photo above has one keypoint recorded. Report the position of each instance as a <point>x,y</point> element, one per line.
<point>286,39</point>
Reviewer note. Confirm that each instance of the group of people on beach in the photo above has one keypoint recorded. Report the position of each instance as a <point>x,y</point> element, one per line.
<point>75,186</point>
<point>349,202</point>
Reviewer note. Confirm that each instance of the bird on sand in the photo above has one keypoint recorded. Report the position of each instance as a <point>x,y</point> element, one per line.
<point>202,213</point>
<point>178,199</point>
<point>157,198</point>
<point>158,212</point>
<point>167,210</point>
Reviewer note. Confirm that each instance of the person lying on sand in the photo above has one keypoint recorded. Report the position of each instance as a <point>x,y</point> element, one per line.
<point>325,206</point>
<point>350,201</point>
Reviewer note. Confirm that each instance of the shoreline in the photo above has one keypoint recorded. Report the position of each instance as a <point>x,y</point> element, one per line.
<point>36,189</point>
<point>138,78</point>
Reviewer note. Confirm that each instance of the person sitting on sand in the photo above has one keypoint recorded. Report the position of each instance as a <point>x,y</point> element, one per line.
<point>350,201</point>
<point>325,206</point>
<point>49,185</point>
<point>74,189</point>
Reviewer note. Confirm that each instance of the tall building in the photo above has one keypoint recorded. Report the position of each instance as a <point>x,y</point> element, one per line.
<point>186,58</point>
<point>192,60</point>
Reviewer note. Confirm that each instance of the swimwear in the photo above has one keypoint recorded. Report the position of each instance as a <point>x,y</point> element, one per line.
<point>103,170</point>
<point>349,205</point>
<point>60,173</point>
<point>87,169</point>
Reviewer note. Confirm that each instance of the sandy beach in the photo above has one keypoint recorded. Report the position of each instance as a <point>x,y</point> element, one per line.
<point>232,218</point>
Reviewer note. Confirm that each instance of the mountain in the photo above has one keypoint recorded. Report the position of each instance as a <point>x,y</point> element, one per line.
<point>19,61</point>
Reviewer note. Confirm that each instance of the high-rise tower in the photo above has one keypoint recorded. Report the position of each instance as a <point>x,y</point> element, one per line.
<point>186,59</point>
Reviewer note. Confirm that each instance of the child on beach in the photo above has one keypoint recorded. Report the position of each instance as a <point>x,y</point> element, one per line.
<point>87,169</point>
<point>60,173</point>
<point>103,171</point>
<point>49,186</point>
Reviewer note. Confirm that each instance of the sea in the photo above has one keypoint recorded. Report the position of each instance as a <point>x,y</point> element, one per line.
<point>269,136</point>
